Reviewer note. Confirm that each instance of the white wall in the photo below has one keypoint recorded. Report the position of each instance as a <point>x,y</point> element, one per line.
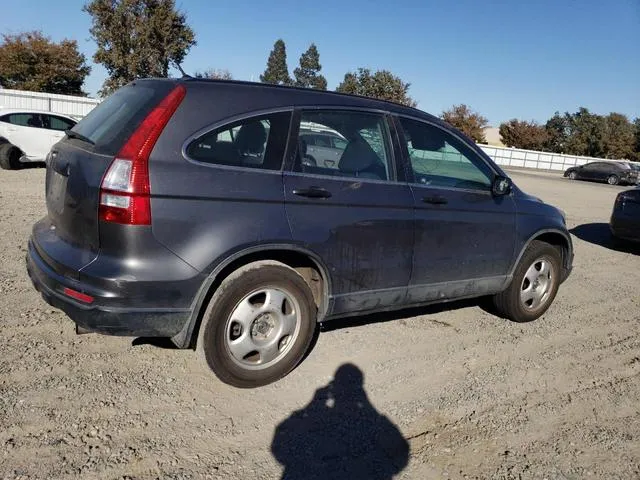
<point>515,157</point>
<point>76,107</point>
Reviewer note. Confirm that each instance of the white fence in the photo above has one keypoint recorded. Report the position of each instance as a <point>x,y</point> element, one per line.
<point>515,157</point>
<point>76,107</point>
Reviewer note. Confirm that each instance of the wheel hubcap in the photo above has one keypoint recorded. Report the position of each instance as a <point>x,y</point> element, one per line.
<point>537,284</point>
<point>262,328</point>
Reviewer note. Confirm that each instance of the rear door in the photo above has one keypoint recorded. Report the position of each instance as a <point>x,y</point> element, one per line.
<point>56,126</point>
<point>357,218</point>
<point>70,232</point>
<point>464,236</point>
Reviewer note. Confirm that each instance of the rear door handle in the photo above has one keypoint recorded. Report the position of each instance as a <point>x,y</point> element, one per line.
<point>312,192</point>
<point>435,200</point>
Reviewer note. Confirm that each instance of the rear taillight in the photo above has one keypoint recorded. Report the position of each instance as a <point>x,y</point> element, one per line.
<point>620,199</point>
<point>125,188</point>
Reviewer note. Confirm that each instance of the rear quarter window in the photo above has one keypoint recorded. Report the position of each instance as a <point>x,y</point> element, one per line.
<point>257,142</point>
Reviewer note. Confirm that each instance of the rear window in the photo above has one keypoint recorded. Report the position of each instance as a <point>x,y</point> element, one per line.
<point>113,121</point>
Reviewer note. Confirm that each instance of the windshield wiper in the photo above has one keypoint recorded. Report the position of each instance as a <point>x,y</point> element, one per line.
<point>79,136</point>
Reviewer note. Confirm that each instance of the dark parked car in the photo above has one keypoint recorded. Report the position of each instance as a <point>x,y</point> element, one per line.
<point>183,209</point>
<point>625,218</point>
<point>613,173</point>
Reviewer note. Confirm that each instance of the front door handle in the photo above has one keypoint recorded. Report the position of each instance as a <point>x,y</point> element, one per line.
<point>312,192</point>
<point>435,200</point>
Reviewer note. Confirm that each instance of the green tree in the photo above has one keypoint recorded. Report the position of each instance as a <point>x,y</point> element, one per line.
<point>138,38</point>
<point>308,75</point>
<point>215,74</point>
<point>467,121</point>
<point>619,137</point>
<point>636,126</point>
<point>31,61</point>
<point>382,85</point>
<point>557,130</point>
<point>586,133</point>
<point>277,71</point>
<point>523,134</point>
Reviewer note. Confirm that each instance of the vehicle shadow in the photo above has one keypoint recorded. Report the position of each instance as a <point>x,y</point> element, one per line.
<point>29,165</point>
<point>599,234</point>
<point>340,435</point>
<point>349,322</point>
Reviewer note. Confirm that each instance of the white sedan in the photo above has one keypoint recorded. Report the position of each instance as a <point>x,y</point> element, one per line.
<point>28,135</point>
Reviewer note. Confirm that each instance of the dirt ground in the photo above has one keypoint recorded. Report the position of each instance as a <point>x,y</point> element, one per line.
<point>447,393</point>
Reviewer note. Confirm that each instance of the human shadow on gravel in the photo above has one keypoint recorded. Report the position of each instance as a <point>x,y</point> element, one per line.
<point>340,435</point>
<point>600,234</point>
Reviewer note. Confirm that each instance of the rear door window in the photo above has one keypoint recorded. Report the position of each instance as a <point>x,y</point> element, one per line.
<point>257,142</point>
<point>59,123</point>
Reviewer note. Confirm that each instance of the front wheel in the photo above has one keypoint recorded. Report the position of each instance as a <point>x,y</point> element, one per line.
<point>613,180</point>
<point>573,175</point>
<point>9,157</point>
<point>258,325</point>
<point>534,284</point>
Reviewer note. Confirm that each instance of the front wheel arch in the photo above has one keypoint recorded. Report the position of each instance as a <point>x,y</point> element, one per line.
<point>552,237</point>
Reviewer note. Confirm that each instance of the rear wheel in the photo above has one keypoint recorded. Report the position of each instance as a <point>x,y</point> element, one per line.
<point>613,180</point>
<point>9,156</point>
<point>258,325</point>
<point>534,284</point>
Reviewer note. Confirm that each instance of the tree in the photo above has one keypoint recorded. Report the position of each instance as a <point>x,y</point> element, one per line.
<point>382,85</point>
<point>586,133</point>
<point>523,134</point>
<point>557,130</point>
<point>308,75</point>
<point>636,126</point>
<point>466,120</point>
<point>215,74</point>
<point>138,38</point>
<point>31,61</point>
<point>277,71</point>
<point>619,136</point>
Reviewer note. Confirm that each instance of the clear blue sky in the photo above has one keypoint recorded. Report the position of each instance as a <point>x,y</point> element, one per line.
<point>505,58</point>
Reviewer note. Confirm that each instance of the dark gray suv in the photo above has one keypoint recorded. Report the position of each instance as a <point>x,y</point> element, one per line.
<point>184,208</point>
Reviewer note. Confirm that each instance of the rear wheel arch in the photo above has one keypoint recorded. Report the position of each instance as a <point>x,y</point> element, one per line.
<point>308,265</point>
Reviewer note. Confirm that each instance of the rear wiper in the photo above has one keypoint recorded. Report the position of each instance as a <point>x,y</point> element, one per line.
<point>79,136</point>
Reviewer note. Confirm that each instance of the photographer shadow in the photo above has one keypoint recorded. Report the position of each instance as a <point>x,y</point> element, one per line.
<point>340,435</point>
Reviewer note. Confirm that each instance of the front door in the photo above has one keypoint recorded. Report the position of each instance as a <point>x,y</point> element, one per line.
<point>30,135</point>
<point>464,237</point>
<point>354,215</point>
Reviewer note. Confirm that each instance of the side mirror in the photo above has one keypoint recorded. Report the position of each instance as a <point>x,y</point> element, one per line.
<point>501,186</point>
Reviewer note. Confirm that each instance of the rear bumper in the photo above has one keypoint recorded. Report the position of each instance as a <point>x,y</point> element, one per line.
<point>625,227</point>
<point>97,317</point>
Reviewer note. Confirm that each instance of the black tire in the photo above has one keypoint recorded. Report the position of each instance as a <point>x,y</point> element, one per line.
<point>9,157</point>
<point>509,303</point>
<point>217,324</point>
<point>573,176</point>
<point>613,180</point>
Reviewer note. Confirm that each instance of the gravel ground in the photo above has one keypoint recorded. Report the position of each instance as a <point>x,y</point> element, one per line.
<point>453,393</point>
